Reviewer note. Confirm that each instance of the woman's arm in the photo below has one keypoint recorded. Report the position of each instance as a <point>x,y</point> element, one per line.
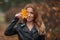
<point>11,30</point>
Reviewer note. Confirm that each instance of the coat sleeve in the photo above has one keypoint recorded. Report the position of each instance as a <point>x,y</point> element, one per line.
<point>11,30</point>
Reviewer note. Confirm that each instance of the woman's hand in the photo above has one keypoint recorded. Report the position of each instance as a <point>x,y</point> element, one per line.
<point>19,15</point>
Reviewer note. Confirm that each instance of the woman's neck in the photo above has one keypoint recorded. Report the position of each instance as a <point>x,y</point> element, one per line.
<point>30,25</point>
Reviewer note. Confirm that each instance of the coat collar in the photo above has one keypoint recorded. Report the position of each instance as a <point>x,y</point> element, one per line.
<point>22,25</point>
<point>25,29</point>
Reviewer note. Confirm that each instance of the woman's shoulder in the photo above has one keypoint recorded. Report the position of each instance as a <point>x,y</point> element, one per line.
<point>20,25</point>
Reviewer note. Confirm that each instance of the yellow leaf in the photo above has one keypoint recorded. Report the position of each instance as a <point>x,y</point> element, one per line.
<point>24,13</point>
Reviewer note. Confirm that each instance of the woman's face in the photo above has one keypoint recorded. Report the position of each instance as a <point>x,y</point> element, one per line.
<point>30,14</point>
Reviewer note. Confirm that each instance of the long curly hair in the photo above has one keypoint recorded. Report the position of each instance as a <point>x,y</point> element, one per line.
<point>37,19</point>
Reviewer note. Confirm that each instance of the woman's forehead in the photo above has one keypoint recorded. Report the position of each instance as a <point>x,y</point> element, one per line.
<point>29,9</point>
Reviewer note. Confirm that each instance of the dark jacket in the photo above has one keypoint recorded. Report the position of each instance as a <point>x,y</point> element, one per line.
<point>22,31</point>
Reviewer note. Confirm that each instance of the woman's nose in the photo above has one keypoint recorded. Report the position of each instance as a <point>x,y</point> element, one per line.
<point>29,14</point>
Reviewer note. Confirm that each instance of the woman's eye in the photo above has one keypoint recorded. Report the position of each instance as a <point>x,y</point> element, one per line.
<point>31,12</point>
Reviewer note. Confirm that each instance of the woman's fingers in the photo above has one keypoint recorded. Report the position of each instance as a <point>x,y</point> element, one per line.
<point>18,15</point>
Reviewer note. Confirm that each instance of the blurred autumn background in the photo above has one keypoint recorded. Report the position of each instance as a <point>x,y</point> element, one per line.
<point>49,9</point>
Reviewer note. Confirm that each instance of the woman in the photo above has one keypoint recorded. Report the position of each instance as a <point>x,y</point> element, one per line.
<point>31,28</point>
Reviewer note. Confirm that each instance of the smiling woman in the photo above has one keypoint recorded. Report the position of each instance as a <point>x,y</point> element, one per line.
<point>32,27</point>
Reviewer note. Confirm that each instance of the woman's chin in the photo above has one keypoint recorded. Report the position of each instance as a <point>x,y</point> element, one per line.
<point>29,20</point>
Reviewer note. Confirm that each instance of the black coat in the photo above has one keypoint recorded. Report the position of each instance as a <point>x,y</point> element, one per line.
<point>23,32</point>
